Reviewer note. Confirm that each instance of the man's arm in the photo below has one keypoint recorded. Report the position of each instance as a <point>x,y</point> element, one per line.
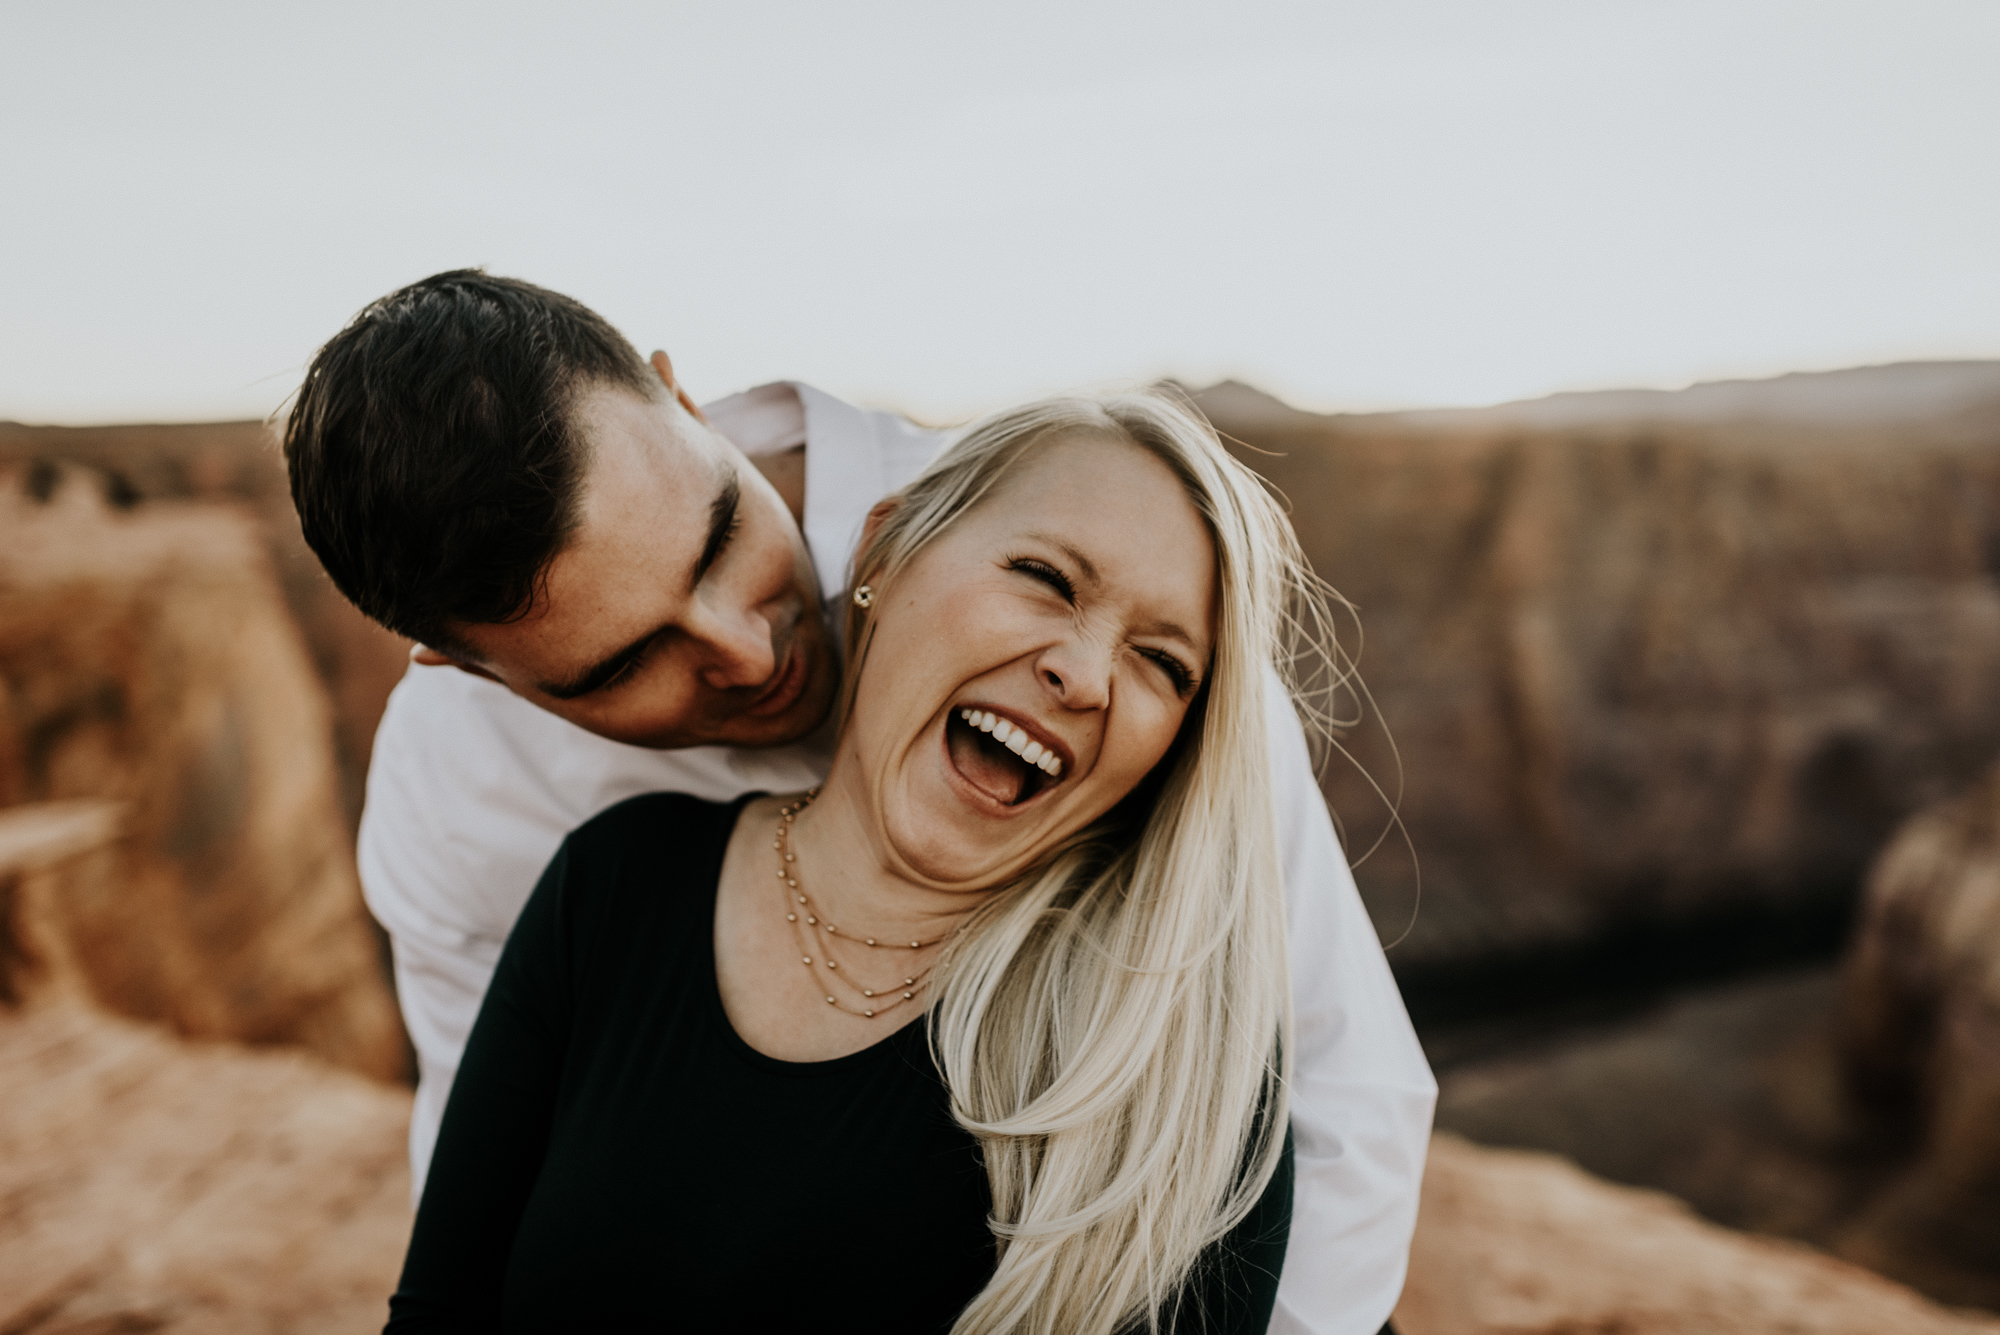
<point>439,893</point>
<point>1362,1093</point>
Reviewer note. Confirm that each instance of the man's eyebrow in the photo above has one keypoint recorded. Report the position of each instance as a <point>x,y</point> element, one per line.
<point>721,520</point>
<point>599,672</point>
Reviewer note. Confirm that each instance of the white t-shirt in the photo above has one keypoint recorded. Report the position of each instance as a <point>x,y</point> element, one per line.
<point>472,788</point>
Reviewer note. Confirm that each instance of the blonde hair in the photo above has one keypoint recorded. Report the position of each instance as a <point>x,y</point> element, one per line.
<point>1115,1027</point>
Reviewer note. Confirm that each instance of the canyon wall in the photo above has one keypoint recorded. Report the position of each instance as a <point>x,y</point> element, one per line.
<point>148,661</point>
<point>1651,664</point>
<point>164,1185</point>
<point>236,465</point>
<point>1921,1039</point>
<point>1652,659</point>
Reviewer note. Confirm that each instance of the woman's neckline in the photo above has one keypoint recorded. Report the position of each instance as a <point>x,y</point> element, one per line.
<point>891,1041</point>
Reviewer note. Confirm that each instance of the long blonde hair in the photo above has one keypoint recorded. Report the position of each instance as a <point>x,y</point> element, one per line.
<point>1115,1027</point>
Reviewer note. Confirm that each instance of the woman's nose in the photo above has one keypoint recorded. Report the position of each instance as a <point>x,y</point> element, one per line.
<point>1078,671</point>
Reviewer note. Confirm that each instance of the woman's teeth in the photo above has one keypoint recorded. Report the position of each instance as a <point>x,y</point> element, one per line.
<point>1014,739</point>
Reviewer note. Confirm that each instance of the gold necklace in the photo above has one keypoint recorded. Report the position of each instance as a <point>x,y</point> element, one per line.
<point>781,843</point>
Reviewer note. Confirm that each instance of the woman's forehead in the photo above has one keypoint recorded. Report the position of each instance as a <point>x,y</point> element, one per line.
<point>1115,508</point>
<point>1079,467</point>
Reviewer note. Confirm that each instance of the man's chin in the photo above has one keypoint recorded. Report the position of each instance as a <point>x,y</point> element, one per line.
<point>795,724</point>
<point>788,708</point>
<point>807,712</point>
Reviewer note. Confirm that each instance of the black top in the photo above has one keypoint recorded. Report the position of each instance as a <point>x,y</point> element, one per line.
<point>615,1157</point>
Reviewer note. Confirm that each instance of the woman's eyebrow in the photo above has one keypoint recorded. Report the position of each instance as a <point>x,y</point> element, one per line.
<point>1070,550</point>
<point>1174,630</point>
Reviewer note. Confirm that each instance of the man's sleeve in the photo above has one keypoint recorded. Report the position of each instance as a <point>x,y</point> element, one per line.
<point>445,873</point>
<point>1362,1093</point>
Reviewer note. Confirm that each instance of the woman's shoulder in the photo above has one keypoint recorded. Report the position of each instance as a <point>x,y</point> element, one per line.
<point>652,828</point>
<point>634,869</point>
<point>652,812</point>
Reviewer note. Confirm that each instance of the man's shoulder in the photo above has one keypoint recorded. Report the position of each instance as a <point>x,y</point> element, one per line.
<point>441,717</point>
<point>901,445</point>
<point>465,759</point>
<point>441,701</point>
<point>447,734</point>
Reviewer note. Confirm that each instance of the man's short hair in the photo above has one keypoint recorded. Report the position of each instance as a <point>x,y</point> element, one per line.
<point>434,456</point>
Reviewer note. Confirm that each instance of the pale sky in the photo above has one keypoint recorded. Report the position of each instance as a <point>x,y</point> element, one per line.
<point>947,206</point>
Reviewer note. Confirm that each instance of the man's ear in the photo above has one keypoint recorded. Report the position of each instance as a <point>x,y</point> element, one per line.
<point>665,370</point>
<point>876,518</point>
<point>425,656</point>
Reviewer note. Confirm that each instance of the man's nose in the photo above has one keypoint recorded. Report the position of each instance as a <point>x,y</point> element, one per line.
<point>739,648</point>
<point>1078,671</point>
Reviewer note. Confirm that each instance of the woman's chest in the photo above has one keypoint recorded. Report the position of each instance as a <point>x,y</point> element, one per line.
<point>689,1180</point>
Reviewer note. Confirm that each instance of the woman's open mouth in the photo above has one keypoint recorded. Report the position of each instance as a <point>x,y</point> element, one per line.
<point>999,757</point>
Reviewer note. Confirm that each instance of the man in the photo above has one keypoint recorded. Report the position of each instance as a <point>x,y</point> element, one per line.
<point>615,591</point>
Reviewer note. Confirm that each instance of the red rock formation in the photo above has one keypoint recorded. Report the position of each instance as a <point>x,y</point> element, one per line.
<point>1647,656</point>
<point>1727,1097</point>
<point>238,463</point>
<point>47,850</point>
<point>1922,1029</point>
<point>157,1185</point>
<point>1514,1243</point>
<point>1650,657</point>
<point>146,657</point>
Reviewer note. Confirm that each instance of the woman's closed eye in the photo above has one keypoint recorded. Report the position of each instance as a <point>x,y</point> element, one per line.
<point>1034,568</point>
<point>1177,672</point>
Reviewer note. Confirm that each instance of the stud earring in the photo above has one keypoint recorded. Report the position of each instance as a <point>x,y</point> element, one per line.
<point>864,596</point>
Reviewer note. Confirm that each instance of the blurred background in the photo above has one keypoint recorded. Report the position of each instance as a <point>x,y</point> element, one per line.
<point>1634,369</point>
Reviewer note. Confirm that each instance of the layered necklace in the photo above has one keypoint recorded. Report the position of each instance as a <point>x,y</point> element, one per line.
<point>816,934</point>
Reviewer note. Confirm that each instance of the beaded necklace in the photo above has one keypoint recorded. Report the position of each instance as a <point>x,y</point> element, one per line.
<point>874,1001</point>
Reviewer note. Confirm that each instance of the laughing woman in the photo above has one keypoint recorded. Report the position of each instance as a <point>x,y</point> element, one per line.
<point>989,1034</point>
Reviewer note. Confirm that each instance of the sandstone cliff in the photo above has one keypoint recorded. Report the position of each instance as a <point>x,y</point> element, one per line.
<point>147,658</point>
<point>1511,1243</point>
<point>156,1185</point>
<point>1655,658</point>
<point>1649,658</point>
<point>235,464</point>
<point>160,1185</point>
<point>1922,1037</point>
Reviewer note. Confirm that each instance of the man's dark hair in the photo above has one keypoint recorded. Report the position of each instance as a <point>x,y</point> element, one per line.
<point>434,458</point>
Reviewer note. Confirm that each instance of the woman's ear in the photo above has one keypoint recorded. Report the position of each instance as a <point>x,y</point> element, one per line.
<point>876,518</point>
